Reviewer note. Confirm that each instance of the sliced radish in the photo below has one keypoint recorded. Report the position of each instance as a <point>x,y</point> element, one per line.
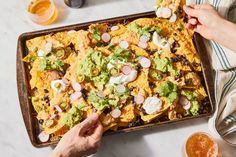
<point>114,28</point>
<point>76,86</point>
<point>143,45</point>
<point>144,38</point>
<point>48,47</point>
<point>145,62</point>
<point>41,53</point>
<point>183,100</point>
<point>173,18</point>
<point>139,99</point>
<point>124,44</point>
<point>159,12</point>
<point>106,37</point>
<point>120,88</point>
<point>43,137</point>
<point>126,69</point>
<point>53,116</point>
<point>101,94</point>
<point>116,113</point>
<point>187,106</point>
<point>58,108</point>
<point>75,96</point>
<point>166,12</point>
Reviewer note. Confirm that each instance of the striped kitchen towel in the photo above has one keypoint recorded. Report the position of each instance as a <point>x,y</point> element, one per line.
<point>224,63</point>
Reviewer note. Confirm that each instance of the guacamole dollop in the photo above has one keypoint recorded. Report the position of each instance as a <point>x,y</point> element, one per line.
<point>72,117</point>
<point>93,68</point>
<point>101,103</point>
<point>164,65</point>
<point>168,90</point>
<point>190,95</point>
<point>194,108</point>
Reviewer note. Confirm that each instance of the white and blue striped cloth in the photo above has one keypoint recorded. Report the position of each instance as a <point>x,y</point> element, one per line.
<point>224,63</point>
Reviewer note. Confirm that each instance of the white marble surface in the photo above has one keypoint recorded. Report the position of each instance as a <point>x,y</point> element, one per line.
<point>14,142</point>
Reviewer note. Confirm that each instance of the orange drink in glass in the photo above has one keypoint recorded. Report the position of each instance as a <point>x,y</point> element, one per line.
<point>43,12</point>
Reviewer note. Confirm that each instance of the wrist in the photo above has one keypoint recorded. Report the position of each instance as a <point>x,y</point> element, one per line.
<point>218,28</point>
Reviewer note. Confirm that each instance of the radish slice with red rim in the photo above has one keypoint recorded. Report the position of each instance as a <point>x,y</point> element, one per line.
<point>187,106</point>
<point>126,69</point>
<point>166,12</point>
<point>144,38</point>
<point>143,45</point>
<point>173,18</point>
<point>116,113</point>
<point>139,99</point>
<point>106,37</point>
<point>145,62</point>
<point>43,137</point>
<point>185,102</point>
<point>120,88</point>
<point>76,86</point>
<point>124,44</point>
<point>75,96</point>
<point>114,28</point>
<point>53,116</point>
<point>58,108</point>
<point>159,12</point>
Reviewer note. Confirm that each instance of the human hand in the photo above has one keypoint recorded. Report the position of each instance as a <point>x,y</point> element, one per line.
<point>81,140</point>
<point>203,19</point>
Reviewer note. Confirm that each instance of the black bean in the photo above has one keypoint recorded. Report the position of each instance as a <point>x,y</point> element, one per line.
<point>152,85</point>
<point>107,110</point>
<point>41,121</point>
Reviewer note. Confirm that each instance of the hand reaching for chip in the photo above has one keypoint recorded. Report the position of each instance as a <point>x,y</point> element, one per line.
<point>83,139</point>
<point>205,20</point>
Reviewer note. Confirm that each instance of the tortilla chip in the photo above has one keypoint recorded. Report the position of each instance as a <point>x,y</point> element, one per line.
<point>127,114</point>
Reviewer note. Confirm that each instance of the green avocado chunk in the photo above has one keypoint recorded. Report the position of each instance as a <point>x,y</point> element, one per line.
<point>93,68</point>
<point>168,90</point>
<point>164,65</point>
<point>194,108</point>
<point>72,117</point>
<point>192,97</point>
<point>101,103</point>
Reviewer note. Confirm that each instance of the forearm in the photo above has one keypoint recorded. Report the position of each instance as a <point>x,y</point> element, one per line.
<point>225,34</point>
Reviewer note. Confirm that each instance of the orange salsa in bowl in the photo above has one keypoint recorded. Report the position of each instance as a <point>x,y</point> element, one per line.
<point>200,144</point>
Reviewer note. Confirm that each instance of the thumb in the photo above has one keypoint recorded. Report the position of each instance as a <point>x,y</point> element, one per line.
<point>89,124</point>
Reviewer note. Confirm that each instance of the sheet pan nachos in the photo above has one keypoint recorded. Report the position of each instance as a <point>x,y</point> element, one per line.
<point>130,73</point>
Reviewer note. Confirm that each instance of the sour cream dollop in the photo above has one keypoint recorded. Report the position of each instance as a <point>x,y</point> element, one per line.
<point>58,85</point>
<point>123,79</point>
<point>161,42</point>
<point>152,105</point>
